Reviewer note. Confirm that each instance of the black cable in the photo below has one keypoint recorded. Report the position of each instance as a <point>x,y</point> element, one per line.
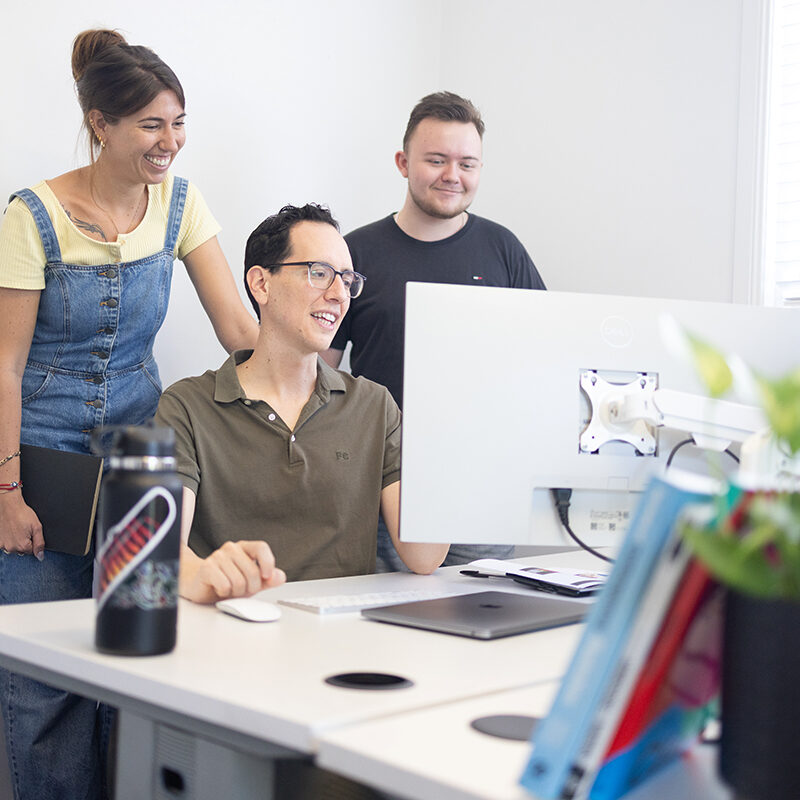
<point>561,499</point>
<point>677,447</point>
<point>732,454</point>
<point>684,442</point>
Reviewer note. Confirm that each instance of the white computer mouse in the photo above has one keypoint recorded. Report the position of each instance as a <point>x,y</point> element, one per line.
<point>250,608</point>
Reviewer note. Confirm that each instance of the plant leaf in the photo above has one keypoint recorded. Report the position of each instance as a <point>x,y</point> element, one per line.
<point>711,365</point>
<point>781,398</point>
<point>747,571</point>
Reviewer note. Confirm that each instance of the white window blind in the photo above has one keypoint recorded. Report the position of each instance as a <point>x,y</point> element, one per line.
<point>782,273</point>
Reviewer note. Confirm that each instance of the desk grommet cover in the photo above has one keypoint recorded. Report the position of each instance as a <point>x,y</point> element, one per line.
<point>370,681</point>
<point>517,727</point>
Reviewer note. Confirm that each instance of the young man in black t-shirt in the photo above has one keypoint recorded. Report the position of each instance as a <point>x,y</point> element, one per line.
<point>432,238</point>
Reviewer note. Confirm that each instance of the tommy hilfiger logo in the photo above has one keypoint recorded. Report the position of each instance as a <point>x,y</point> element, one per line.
<point>342,455</point>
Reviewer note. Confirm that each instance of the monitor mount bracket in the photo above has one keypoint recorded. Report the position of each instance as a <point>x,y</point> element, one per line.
<point>631,412</point>
<point>611,406</point>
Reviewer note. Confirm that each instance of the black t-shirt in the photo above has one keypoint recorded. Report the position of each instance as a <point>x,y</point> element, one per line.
<point>482,253</point>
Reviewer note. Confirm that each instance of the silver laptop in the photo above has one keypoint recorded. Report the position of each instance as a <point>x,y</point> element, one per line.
<point>483,615</point>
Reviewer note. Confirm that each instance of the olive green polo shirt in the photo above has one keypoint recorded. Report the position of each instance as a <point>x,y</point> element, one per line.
<point>312,494</point>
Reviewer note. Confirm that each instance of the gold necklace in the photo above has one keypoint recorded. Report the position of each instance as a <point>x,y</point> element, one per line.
<point>129,220</point>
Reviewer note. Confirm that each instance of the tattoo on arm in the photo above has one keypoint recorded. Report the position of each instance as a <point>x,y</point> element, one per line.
<point>90,227</point>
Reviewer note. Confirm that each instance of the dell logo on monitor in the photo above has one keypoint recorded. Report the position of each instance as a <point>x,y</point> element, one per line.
<point>616,331</point>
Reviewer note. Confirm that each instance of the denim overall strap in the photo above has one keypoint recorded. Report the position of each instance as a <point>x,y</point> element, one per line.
<point>175,217</point>
<point>52,251</point>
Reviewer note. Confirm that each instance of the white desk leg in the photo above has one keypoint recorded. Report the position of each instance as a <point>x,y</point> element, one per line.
<point>163,763</point>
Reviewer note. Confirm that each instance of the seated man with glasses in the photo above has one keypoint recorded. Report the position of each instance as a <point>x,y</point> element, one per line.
<point>286,461</point>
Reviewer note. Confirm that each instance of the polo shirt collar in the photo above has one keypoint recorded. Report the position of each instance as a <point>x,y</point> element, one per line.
<point>227,388</point>
<point>328,380</point>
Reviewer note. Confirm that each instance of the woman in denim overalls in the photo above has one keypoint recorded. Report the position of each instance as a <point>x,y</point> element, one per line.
<point>76,352</point>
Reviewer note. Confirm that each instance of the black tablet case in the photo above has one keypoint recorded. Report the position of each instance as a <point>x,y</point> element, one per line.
<point>62,488</point>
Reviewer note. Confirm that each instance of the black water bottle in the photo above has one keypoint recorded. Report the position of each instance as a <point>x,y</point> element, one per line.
<point>138,544</point>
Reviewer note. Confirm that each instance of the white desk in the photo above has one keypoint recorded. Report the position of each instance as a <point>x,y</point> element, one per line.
<point>233,690</point>
<point>233,694</point>
<point>434,754</point>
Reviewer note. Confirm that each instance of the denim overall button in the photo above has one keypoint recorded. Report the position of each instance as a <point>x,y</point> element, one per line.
<point>110,273</point>
<point>106,330</point>
<point>96,379</point>
<point>100,353</point>
<point>111,303</point>
<point>95,403</point>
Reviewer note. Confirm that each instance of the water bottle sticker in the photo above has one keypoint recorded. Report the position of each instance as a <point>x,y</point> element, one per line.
<point>127,546</point>
<point>152,585</point>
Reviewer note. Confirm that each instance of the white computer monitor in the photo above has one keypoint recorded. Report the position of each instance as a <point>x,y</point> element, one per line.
<point>493,409</point>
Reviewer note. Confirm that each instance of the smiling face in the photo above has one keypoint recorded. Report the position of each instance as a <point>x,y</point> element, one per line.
<point>141,147</point>
<point>294,313</point>
<point>442,162</point>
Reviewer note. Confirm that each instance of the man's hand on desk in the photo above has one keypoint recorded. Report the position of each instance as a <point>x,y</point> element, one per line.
<point>237,569</point>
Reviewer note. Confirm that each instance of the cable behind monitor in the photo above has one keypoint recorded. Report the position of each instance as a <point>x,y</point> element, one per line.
<point>561,501</point>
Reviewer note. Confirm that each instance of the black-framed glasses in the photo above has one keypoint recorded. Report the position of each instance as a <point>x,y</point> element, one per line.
<point>322,275</point>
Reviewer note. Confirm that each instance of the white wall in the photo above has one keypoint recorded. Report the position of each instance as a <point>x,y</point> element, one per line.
<point>611,145</point>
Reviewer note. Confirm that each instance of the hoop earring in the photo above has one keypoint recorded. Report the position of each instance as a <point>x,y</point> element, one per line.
<point>97,135</point>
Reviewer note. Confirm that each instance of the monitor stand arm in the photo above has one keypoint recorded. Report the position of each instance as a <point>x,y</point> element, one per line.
<point>631,412</point>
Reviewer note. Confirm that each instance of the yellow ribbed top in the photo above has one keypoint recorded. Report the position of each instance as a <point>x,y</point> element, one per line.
<point>22,258</point>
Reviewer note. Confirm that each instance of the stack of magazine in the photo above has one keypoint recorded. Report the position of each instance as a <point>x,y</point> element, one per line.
<point>644,679</point>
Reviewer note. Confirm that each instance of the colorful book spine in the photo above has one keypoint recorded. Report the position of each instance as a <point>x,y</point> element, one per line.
<point>675,695</point>
<point>558,739</point>
<point>669,570</point>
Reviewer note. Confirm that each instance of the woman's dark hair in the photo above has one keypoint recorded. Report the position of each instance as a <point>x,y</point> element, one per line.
<point>116,78</point>
<point>269,243</point>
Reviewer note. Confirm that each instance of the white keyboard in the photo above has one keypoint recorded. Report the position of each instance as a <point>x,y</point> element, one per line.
<point>340,603</point>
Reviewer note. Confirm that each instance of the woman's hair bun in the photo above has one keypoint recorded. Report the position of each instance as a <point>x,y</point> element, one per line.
<point>88,45</point>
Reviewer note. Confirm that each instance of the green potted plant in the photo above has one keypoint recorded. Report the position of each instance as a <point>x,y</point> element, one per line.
<point>753,548</point>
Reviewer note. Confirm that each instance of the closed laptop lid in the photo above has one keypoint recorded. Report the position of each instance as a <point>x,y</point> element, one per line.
<point>483,615</point>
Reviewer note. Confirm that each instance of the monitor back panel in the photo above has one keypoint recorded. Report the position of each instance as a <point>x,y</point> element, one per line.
<point>493,409</point>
